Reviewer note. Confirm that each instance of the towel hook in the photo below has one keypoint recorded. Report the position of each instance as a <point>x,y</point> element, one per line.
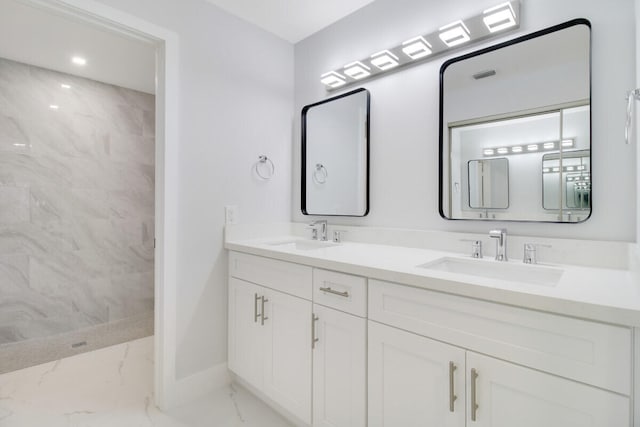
<point>631,96</point>
<point>271,168</point>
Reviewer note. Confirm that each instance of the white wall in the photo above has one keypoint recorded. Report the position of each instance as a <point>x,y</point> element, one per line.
<point>404,110</point>
<point>236,100</point>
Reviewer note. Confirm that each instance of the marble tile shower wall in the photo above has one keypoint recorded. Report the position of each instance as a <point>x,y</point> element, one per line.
<point>76,203</point>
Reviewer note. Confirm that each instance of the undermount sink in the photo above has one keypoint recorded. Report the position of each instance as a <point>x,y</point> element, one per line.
<point>524,273</point>
<point>302,244</point>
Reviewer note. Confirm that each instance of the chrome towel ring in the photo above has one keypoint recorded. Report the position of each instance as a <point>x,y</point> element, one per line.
<point>264,168</point>
<point>320,174</point>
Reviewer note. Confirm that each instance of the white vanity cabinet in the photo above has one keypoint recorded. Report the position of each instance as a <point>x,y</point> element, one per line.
<point>339,354</point>
<point>270,330</point>
<point>408,370</point>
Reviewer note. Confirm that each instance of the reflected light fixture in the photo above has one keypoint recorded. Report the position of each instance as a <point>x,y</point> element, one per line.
<point>491,22</point>
<point>384,60</point>
<point>416,48</point>
<point>54,107</point>
<point>357,70</point>
<point>78,60</point>
<point>499,17</point>
<point>454,34</point>
<point>530,148</point>
<point>65,86</point>
<point>503,150</point>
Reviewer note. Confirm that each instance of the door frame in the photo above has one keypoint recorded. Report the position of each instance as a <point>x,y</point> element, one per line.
<point>165,42</point>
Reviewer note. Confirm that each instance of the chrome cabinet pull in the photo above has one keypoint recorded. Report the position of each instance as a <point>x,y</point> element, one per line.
<point>474,404</point>
<point>255,308</point>
<point>262,316</point>
<point>334,292</point>
<point>314,339</point>
<point>452,396</point>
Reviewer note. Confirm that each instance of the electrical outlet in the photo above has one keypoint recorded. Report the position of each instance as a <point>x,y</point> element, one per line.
<point>231,214</point>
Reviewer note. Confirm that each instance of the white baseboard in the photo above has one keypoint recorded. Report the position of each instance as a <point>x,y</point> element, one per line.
<point>194,386</point>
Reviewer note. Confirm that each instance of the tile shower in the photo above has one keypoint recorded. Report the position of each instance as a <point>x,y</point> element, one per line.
<point>76,214</point>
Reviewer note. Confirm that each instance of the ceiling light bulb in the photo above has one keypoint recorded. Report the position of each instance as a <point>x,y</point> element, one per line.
<point>79,60</point>
<point>499,17</point>
<point>357,70</point>
<point>503,150</point>
<point>454,34</point>
<point>384,60</point>
<point>549,145</point>
<point>416,48</point>
<point>532,147</point>
<point>332,79</point>
<point>516,149</point>
<point>488,152</point>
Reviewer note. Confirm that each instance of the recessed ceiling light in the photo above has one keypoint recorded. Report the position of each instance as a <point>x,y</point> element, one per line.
<point>416,48</point>
<point>357,70</point>
<point>384,60</point>
<point>53,107</point>
<point>79,60</point>
<point>332,79</point>
<point>454,34</point>
<point>65,86</point>
<point>499,17</point>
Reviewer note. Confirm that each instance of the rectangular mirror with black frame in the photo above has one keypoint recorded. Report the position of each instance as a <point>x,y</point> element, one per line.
<point>335,155</point>
<point>506,113</point>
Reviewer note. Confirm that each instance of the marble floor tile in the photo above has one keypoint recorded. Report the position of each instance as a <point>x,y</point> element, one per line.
<point>113,387</point>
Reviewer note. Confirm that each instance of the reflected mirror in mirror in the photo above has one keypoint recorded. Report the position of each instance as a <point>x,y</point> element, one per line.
<point>488,184</point>
<point>521,103</point>
<point>335,155</point>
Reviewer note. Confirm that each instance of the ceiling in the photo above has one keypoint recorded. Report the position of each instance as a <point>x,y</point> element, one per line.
<point>291,20</point>
<point>49,39</point>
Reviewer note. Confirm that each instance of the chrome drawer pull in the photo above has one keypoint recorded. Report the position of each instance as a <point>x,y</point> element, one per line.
<point>314,339</point>
<point>334,292</point>
<point>474,404</point>
<point>262,316</point>
<point>452,396</point>
<point>255,308</point>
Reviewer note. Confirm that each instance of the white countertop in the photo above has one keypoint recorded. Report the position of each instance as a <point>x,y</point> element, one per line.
<point>602,294</point>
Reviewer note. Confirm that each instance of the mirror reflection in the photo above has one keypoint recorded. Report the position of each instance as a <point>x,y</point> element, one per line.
<point>488,184</point>
<point>518,104</point>
<point>335,155</point>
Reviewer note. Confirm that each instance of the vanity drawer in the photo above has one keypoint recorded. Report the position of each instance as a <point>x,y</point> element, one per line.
<point>582,350</point>
<point>341,291</point>
<point>293,279</point>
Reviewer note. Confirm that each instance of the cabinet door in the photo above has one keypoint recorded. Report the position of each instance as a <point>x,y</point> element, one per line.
<point>412,380</point>
<point>508,395</point>
<point>287,353</point>
<point>246,336</point>
<point>339,369</point>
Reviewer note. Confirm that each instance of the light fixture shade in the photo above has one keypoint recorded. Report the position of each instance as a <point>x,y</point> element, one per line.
<point>417,48</point>
<point>357,70</point>
<point>454,34</point>
<point>332,79</point>
<point>499,18</point>
<point>384,60</point>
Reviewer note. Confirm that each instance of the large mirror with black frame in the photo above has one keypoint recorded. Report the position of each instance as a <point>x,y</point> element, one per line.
<point>335,155</point>
<point>521,111</point>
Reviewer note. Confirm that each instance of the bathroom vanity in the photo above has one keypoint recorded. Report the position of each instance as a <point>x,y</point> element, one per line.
<point>370,334</point>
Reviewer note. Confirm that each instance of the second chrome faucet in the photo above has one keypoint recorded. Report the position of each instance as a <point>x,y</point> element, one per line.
<point>500,234</point>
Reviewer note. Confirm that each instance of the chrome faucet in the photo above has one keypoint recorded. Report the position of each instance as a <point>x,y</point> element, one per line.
<point>500,234</point>
<point>319,230</point>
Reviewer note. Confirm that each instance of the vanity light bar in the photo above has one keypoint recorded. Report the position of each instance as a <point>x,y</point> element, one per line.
<point>529,148</point>
<point>490,23</point>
